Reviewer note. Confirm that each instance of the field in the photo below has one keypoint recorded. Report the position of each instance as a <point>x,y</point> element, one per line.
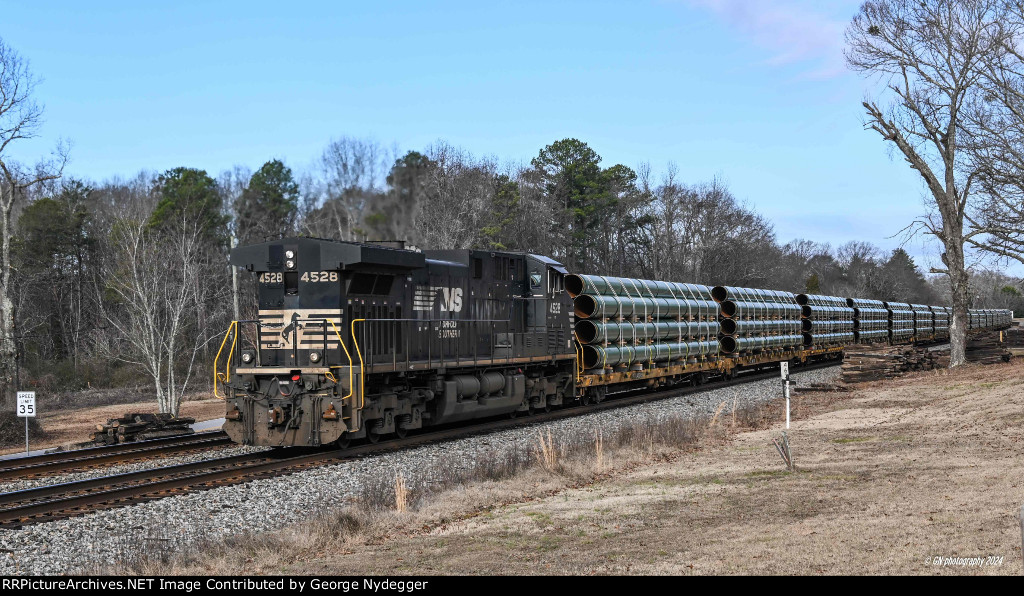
<point>887,478</point>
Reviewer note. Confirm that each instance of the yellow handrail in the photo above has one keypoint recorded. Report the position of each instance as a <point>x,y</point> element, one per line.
<point>351,387</point>
<point>362,367</point>
<point>227,365</point>
<point>579,361</point>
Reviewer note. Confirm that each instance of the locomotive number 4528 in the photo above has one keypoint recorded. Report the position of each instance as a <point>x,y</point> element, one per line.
<point>320,276</point>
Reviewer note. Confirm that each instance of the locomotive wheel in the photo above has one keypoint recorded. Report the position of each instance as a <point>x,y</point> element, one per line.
<point>372,437</point>
<point>400,432</point>
<point>343,442</point>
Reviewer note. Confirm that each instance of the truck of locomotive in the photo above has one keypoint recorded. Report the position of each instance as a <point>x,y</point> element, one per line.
<point>363,340</point>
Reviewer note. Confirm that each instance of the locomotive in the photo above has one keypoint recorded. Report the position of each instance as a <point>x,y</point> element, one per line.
<point>366,340</point>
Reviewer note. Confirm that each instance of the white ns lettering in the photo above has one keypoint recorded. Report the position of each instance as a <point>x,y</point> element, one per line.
<point>451,299</point>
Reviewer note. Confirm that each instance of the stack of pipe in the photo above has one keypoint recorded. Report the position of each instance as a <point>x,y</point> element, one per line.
<point>973,319</point>
<point>901,322</point>
<point>628,322</point>
<point>940,315</point>
<point>755,320</point>
<point>870,320</point>
<point>924,322</point>
<point>826,320</point>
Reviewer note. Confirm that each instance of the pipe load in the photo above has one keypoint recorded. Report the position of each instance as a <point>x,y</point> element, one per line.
<point>754,319</point>
<point>901,321</point>
<point>736,345</point>
<point>589,331</point>
<point>816,326</point>
<point>599,285</point>
<point>759,310</point>
<point>827,320</point>
<point>744,328</point>
<point>589,306</point>
<point>828,339</point>
<point>871,336</point>
<point>595,356</point>
<point>623,321</point>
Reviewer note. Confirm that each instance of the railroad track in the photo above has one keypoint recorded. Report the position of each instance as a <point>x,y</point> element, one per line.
<point>72,499</point>
<point>94,457</point>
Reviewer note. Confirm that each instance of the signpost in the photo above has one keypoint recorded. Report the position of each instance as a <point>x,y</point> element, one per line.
<point>26,410</point>
<point>784,366</point>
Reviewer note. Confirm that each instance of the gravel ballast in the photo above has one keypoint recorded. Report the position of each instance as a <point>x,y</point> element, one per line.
<point>108,537</point>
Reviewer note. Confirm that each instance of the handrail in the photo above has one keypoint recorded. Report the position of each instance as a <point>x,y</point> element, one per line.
<point>362,366</point>
<point>351,387</point>
<point>227,364</point>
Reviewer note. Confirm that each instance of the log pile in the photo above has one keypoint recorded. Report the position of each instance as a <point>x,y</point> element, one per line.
<point>140,427</point>
<point>1014,337</point>
<point>875,362</point>
<point>987,348</point>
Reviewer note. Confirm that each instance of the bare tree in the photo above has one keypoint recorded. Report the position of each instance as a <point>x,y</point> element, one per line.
<point>996,142</point>
<point>351,176</point>
<point>20,118</point>
<point>160,279</point>
<point>931,55</point>
<point>457,191</point>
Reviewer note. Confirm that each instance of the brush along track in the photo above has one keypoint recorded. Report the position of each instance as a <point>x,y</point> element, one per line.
<point>78,498</point>
<point>94,457</point>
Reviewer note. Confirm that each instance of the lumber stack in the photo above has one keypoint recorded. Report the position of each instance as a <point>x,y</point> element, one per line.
<point>1014,337</point>
<point>875,362</point>
<point>986,348</point>
<point>140,427</point>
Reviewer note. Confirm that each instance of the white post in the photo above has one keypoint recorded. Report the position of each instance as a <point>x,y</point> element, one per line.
<point>26,436</point>
<point>784,368</point>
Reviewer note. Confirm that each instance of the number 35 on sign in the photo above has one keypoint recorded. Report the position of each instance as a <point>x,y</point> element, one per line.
<point>26,404</point>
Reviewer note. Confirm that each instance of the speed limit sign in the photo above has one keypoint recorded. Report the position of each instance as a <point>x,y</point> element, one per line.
<point>26,404</point>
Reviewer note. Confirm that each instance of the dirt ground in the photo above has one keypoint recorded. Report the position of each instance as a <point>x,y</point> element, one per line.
<point>65,426</point>
<point>889,478</point>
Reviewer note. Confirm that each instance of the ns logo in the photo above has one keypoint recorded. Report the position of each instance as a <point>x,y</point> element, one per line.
<point>451,298</point>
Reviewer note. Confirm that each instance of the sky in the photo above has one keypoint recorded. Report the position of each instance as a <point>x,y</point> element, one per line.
<point>753,92</point>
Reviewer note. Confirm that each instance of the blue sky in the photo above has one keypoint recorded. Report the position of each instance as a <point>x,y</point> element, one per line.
<point>753,92</point>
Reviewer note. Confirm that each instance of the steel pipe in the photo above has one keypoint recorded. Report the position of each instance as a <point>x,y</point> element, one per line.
<point>604,357</point>
<point>590,331</point>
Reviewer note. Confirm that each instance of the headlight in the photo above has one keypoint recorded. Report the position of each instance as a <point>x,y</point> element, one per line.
<point>290,264</point>
<point>289,254</point>
<point>314,357</point>
<point>247,357</point>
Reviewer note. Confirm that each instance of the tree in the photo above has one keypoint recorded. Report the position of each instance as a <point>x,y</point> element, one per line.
<point>931,54</point>
<point>158,285</point>
<point>53,257</point>
<point>570,175</point>
<point>20,119</point>
<point>268,205</point>
<point>349,187</point>
<point>191,194</point>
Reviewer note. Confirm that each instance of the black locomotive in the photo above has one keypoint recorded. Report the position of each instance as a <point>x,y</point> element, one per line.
<point>360,340</point>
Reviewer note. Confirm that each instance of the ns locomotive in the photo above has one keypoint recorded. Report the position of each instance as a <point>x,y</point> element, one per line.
<point>361,340</point>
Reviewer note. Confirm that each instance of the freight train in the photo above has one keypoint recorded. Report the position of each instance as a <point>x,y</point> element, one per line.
<point>364,341</point>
